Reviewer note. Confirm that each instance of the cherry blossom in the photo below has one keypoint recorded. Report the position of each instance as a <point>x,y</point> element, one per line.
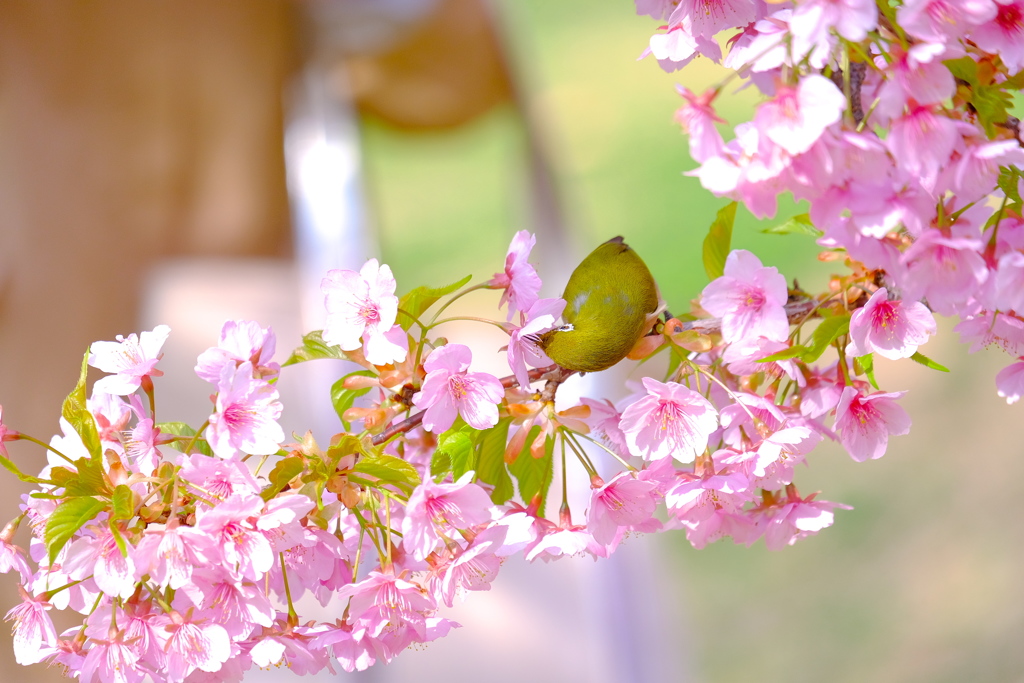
<point>523,348</point>
<point>519,279</point>
<point>892,329</point>
<point>435,510</point>
<point>749,298</point>
<point>361,312</point>
<point>671,420</point>
<point>449,390</point>
<point>240,341</point>
<point>131,360</point>
<point>865,422</point>
<point>245,420</point>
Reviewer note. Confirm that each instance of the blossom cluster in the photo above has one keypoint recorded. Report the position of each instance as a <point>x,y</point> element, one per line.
<point>187,549</point>
<point>891,120</point>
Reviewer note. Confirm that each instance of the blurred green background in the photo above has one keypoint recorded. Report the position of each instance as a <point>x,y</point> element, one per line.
<point>922,580</point>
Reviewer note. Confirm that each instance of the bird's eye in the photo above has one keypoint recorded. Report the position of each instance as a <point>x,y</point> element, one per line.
<point>566,328</point>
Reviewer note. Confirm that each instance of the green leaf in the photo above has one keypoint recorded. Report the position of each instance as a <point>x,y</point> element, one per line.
<point>1009,178</point>
<point>490,466</point>
<point>342,399</point>
<point>415,303</point>
<point>314,348</point>
<point>928,362</point>
<point>66,519</point>
<point>794,351</point>
<point>13,469</point>
<point>119,541</point>
<point>992,104</point>
<point>75,412</point>
<point>964,68</point>
<point>865,365</point>
<point>718,240</point>
<point>123,502</point>
<point>390,469</point>
<point>458,448</point>
<point>284,471</point>
<point>534,474</point>
<point>824,334</point>
<point>182,429</point>
<point>88,480</point>
<point>797,225</point>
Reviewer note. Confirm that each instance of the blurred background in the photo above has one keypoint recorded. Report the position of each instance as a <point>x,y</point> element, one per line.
<point>145,178</point>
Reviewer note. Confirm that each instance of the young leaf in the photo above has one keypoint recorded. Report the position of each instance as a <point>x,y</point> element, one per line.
<point>284,471</point>
<point>13,469</point>
<point>88,480</point>
<point>490,467</point>
<point>314,348</point>
<point>867,366</point>
<point>928,362</point>
<point>718,240</point>
<point>1008,181</point>
<point>794,351</point>
<point>797,225</point>
<point>75,412</point>
<point>534,474</point>
<point>123,502</point>
<point>825,333</point>
<point>342,399</point>
<point>415,303</point>
<point>389,469</point>
<point>182,429</point>
<point>459,448</point>
<point>66,519</point>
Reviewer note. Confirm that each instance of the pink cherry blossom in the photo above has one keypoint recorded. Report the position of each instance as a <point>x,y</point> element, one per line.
<point>361,311</point>
<point>245,420</point>
<point>947,271</point>
<point>939,21</point>
<point>382,601</point>
<point>33,628</point>
<point>698,119</point>
<point>1004,34</point>
<point>796,117</point>
<point>519,279</point>
<point>131,360</point>
<point>892,329</point>
<point>922,142</point>
<point>814,20</point>
<point>623,501</point>
<point>438,510</point>
<point>670,420</point>
<point>449,390</point>
<point>240,341</point>
<point>12,557</point>
<point>111,661</point>
<point>705,504</point>
<point>100,557</point>
<point>993,329</point>
<point>555,541</point>
<point>708,17</point>
<point>1010,381</point>
<point>192,645</point>
<point>166,555</point>
<point>523,348</point>
<point>240,606</point>
<point>865,422</point>
<point>749,298</point>
<point>227,535</point>
<point>797,519</point>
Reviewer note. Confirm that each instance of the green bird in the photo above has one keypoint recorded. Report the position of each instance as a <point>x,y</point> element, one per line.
<point>611,301</point>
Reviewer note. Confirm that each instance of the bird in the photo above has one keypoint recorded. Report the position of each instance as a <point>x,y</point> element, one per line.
<point>611,301</point>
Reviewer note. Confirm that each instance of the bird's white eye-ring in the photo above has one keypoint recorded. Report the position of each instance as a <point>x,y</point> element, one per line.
<point>566,328</point>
